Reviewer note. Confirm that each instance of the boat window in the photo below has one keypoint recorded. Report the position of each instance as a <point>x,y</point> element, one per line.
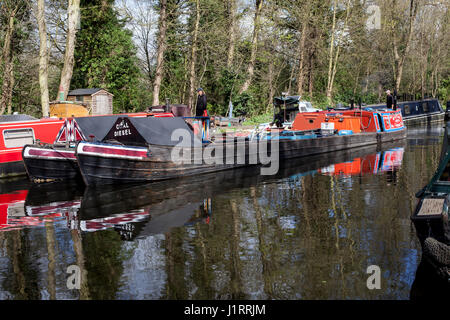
<point>15,138</point>
<point>311,121</point>
<point>407,111</point>
<point>425,107</point>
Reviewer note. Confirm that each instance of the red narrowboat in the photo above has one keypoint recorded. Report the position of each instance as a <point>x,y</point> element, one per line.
<point>17,131</point>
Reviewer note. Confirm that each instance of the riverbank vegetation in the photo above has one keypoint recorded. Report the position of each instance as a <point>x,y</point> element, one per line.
<point>148,52</point>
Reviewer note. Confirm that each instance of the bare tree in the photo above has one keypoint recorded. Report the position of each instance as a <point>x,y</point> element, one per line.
<point>301,47</point>
<point>67,70</point>
<point>43,58</point>
<point>333,59</point>
<point>193,57</point>
<point>10,8</point>
<point>162,46</point>
<point>400,55</point>
<point>254,47</point>
<point>231,10</point>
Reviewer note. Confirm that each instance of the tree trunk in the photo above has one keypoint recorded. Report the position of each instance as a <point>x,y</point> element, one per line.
<point>43,58</point>
<point>11,88</point>
<point>231,8</point>
<point>301,49</point>
<point>8,74</point>
<point>330,60</point>
<point>254,48</point>
<point>400,58</point>
<point>162,45</point>
<point>301,61</point>
<point>334,63</point>
<point>271,88</point>
<point>67,71</point>
<point>191,103</point>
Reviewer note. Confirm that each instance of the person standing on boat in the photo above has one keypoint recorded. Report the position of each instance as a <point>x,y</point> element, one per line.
<point>389,99</point>
<point>200,109</point>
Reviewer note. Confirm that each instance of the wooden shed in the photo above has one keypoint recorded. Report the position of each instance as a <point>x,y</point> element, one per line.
<point>98,100</point>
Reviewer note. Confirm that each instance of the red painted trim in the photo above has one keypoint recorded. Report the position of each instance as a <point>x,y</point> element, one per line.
<point>52,153</point>
<point>119,152</point>
<point>11,156</point>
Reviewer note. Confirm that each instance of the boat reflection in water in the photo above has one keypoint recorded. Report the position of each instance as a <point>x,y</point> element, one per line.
<point>186,226</point>
<point>154,208</point>
<point>386,161</point>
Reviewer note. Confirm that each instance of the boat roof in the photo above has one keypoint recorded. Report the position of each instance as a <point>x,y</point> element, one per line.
<point>400,102</point>
<point>286,100</point>
<point>16,117</point>
<point>96,126</point>
<point>151,130</point>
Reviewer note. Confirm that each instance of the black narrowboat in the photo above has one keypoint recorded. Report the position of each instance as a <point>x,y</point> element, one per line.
<point>142,149</point>
<point>57,161</point>
<point>418,112</point>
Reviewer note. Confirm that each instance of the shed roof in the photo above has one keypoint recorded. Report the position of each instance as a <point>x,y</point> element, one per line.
<point>84,92</point>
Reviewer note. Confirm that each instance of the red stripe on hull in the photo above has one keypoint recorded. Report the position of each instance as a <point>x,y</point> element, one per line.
<point>113,151</point>
<point>52,153</point>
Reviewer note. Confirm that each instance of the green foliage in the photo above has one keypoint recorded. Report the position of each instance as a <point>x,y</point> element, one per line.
<point>105,55</point>
<point>244,104</point>
<point>444,91</point>
<point>255,120</point>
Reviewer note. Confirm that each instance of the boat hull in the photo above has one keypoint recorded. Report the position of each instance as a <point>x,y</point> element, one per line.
<point>122,164</point>
<point>12,169</point>
<point>44,163</point>
<point>424,119</point>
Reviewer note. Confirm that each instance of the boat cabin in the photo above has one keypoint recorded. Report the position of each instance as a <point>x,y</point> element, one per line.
<point>350,121</point>
<point>287,107</point>
<point>413,108</point>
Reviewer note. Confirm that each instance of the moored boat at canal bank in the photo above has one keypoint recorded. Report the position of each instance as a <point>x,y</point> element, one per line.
<point>419,112</point>
<point>431,216</point>
<point>57,161</point>
<point>18,130</point>
<point>146,152</point>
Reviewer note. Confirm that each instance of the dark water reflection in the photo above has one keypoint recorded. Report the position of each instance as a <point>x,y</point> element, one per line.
<point>310,232</point>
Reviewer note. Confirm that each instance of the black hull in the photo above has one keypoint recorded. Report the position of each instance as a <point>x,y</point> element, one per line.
<point>96,169</point>
<point>12,169</point>
<point>424,119</point>
<point>435,228</point>
<point>45,169</point>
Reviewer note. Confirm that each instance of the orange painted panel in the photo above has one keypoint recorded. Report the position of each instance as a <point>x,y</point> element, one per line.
<point>313,121</point>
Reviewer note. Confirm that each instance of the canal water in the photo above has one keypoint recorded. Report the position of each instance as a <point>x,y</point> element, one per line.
<point>309,232</point>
